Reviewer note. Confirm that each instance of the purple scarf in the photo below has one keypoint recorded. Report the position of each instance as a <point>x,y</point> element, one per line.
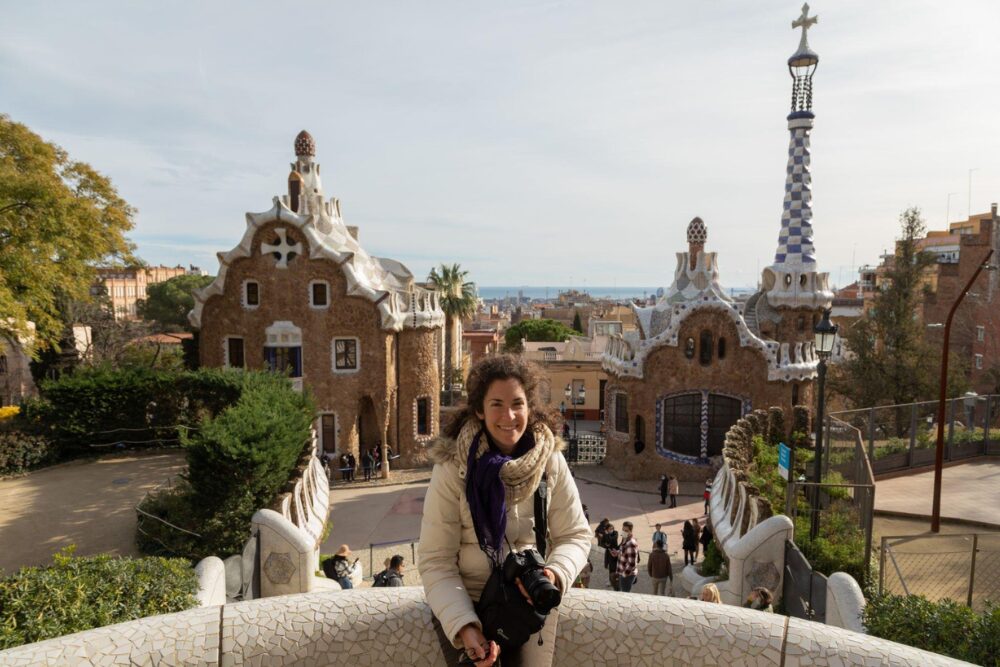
<point>486,494</point>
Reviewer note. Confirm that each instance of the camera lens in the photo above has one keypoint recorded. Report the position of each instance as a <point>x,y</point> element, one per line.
<point>543,593</point>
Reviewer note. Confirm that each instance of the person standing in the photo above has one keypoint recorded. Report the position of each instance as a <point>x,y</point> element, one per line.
<point>689,542</point>
<point>659,536</point>
<point>659,569</point>
<point>664,488</point>
<point>674,488</point>
<point>608,538</point>
<point>352,463</point>
<point>344,468</point>
<point>706,538</point>
<point>367,463</point>
<point>628,559</point>
<point>697,537</point>
<point>708,494</point>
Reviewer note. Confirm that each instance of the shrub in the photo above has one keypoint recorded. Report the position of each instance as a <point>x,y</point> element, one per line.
<point>712,564</point>
<point>775,425</point>
<point>75,594</point>
<point>20,452</point>
<point>800,419</point>
<point>944,627</point>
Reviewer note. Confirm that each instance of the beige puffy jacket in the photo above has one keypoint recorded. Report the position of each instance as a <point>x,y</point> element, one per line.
<point>453,567</point>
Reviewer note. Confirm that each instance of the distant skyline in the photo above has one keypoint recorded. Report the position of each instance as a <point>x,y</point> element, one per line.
<point>535,143</point>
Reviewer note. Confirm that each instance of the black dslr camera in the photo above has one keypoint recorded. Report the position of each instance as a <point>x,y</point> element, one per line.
<point>507,618</point>
<point>528,565</point>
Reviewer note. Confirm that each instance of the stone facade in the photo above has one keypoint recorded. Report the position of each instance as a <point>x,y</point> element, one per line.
<point>300,293</point>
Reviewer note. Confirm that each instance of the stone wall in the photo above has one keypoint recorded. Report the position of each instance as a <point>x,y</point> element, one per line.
<point>369,627</point>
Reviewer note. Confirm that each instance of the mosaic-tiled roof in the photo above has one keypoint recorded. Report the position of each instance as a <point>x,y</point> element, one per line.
<point>305,144</point>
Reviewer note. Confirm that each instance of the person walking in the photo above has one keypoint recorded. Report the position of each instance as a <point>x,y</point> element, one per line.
<point>689,542</point>
<point>674,488</point>
<point>392,575</point>
<point>367,463</point>
<point>628,559</point>
<point>659,536</point>
<point>706,538</point>
<point>659,569</point>
<point>664,489</point>
<point>708,494</point>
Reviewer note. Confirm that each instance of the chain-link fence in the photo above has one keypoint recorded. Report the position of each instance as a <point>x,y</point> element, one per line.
<point>961,567</point>
<point>905,436</point>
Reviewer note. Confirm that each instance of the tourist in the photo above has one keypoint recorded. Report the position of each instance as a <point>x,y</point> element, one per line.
<point>352,463</point>
<point>674,489</point>
<point>608,539</point>
<point>392,575</point>
<point>708,494</point>
<point>339,567</point>
<point>659,569</point>
<point>664,489</point>
<point>689,542</point>
<point>760,599</point>
<point>628,559</point>
<point>710,593</point>
<point>367,463</point>
<point>659,536</point>
<point>378,458</point>
<point>344,468</point>
<point>706,538</point>
<point>697,537</point>
<point>490,461</point>
<point>583,579</point>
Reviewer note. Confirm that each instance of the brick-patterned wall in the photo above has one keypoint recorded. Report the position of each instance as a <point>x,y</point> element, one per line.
<point>419,376</point>
<point>742,373</point>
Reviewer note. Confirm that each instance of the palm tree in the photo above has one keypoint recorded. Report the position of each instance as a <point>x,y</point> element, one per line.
<point>458,300</point>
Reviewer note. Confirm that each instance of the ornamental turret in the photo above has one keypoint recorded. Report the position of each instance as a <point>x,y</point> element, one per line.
<point>793,281</point>
<point>304,181</point>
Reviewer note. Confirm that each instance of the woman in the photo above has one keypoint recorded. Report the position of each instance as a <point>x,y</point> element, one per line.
<point>339,567</point>
<point>706,538</point>
<point>710,593</point>
<point>688,542</point>
<point>480,503</point>
<point>760,599</point>
<point>674,488</point>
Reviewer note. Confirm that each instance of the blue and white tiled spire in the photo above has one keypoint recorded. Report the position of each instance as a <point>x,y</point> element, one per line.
<point>792,280</point>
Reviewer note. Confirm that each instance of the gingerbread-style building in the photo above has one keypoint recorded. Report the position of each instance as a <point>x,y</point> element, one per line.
<point>701,361</point>
<point>299,294</point>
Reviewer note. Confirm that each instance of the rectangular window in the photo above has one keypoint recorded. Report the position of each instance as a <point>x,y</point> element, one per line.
<point>423,416</point>
<point>319,297</point>
<point>979,362</point>
<point>621,413</point>
<point>252,294</point>
<point>284,360</point>
<point>345,354</point>
<point>234,353</point>
<point>328,432</point>
<point>980,333</point>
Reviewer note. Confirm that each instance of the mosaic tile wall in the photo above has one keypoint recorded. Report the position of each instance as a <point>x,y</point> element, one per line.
<point>393,627</point>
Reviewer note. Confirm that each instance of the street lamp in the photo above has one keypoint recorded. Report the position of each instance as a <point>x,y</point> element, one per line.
<point>826,335</point>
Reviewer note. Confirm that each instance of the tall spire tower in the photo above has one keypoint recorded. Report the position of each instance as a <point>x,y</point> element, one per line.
<point>792,281</point>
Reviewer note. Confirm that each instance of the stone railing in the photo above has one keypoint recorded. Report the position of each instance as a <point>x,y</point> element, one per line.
<point>394,626</point>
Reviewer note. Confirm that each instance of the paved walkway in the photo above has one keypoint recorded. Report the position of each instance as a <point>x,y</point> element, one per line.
<point>89,504</point>
<point>970,491</point>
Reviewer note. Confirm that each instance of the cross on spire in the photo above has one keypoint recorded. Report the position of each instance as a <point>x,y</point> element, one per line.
<point>805,22</point>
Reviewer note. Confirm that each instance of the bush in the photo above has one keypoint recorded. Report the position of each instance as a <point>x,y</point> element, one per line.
<point>775,425</point>
<point>20,452</point>
<point>75,594</point>
<point>238,462</point>
<point>945,627</point>
<point>712,564</point>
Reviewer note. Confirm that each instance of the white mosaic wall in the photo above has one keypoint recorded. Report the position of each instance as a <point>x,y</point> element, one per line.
<point>371,627</point>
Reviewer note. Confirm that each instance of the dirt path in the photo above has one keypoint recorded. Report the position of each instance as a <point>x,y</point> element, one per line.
<point>89,504</point>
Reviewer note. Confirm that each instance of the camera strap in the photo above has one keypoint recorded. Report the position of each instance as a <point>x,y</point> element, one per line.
<point>542,515</point>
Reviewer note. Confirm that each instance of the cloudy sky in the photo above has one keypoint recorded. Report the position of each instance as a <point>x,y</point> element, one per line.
<point>535,143</point>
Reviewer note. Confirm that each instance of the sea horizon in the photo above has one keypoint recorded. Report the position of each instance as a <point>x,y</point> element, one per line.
<point>622,292</point>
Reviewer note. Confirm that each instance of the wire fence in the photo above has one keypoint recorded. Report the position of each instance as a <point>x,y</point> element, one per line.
<point>961,567</point>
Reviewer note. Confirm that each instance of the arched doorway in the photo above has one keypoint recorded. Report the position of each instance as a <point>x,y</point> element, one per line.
<point>368,430</point>
<point>695,424</point>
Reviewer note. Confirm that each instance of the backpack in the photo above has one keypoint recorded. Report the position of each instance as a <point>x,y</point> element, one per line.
<point>381,579</point>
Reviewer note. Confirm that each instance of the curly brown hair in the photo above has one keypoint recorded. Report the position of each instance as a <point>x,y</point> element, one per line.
<point>503,367</point>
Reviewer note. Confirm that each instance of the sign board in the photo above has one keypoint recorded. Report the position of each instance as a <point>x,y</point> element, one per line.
<point>784,460</point>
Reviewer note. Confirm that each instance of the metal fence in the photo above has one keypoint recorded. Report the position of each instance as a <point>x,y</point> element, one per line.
<point>380,552</point>
<point>904,436</point>
<point>962,567</point>
<point>803,591</point>
<point>587,449</point>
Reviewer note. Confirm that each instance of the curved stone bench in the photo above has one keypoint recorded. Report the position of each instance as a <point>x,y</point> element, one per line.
<point>393,627</point>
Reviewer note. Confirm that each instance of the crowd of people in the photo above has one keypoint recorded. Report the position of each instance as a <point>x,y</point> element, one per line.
<point>347,464</point>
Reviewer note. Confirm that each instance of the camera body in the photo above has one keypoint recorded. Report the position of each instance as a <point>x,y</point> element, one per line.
<point>528,565</point>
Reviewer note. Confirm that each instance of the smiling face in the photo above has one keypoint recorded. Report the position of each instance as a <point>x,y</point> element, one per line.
<point>505,413</point>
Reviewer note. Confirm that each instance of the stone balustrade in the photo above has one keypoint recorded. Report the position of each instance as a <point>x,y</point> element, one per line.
<point>394,627</point>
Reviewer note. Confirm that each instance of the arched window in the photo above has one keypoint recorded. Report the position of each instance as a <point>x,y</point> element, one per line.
<point>795,394</point>
<point>705,348</point>
<point>722,347</point>
<point>640,429</point>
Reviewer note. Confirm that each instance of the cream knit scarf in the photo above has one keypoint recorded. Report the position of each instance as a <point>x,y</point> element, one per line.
<point>519,476</point>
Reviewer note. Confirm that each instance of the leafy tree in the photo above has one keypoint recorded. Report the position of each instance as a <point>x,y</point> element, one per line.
<point>58,218</point>
<point>577,324</point>
<point>458,300</point>
<point>891,362</point>
<point>168,303</point>
<point>535,330</point>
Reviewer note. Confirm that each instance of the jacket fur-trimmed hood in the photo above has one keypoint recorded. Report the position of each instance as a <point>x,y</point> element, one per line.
<point>443,449</point>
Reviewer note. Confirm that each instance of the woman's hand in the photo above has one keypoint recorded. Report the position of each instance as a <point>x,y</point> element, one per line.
<point>524,591</point>
<point>477,648</point>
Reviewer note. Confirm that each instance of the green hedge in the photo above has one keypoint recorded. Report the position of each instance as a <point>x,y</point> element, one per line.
<point>945,627</point>
<point>712,564</point>
<point>238,462</point>
<point>76,594</point>
<point>20,452</point>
